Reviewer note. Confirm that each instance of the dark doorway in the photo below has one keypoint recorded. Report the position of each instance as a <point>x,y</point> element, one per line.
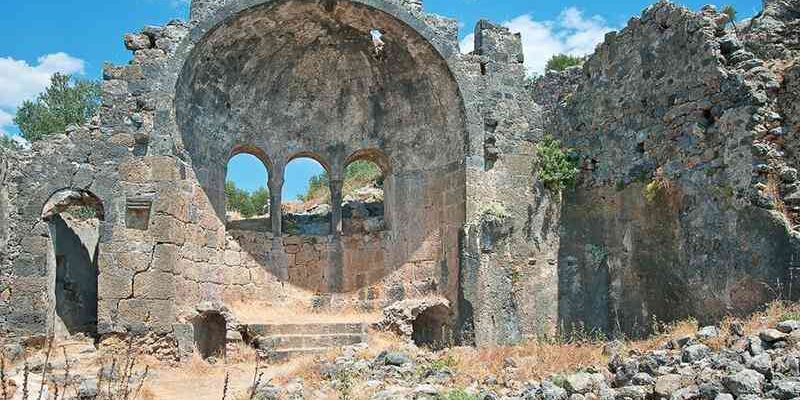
<point>430,328</point>
<point>209,335</point>
<point>75,235</point>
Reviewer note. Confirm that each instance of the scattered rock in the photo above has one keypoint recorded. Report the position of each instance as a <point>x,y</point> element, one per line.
<point>788,326</point>
<point>708,332</point>
<point>744,382</point>
<point>771,335</point>
<point>695,352</point>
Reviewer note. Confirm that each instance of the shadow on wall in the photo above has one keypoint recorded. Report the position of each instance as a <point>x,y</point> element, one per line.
<point>628,262</point>
<point>331,102</point>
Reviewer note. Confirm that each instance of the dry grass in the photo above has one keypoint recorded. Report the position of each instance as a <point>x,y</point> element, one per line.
<point>197,366</point>
<point>533,360</point>
<point>266,313</point>
<point>664,333</point>
<point>242,354</point>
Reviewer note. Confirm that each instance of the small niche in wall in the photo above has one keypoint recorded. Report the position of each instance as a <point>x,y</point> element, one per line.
<point>137,213</point>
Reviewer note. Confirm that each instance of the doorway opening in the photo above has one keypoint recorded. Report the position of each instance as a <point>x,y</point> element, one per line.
<point>74,220</point>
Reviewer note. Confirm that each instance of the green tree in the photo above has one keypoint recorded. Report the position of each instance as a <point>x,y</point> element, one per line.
<point>560,62</point>
<point>260,200</point>
<point>730,11</point>
<point>558,167</point>
<point>66,101</point>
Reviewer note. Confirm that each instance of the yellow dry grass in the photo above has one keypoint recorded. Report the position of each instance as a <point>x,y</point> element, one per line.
<point>774,313</point>
<point>533,360</point>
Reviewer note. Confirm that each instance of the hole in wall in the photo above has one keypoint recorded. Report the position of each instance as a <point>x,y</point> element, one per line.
<point>431,328</point>
<point>306,208</point>
<point>137,213</point>
<point>209,335</point>
<point>247,196</point>
<point>490,152</point>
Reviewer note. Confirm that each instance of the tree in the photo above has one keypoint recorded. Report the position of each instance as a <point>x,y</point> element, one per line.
<point>560,62</point>
<point>730,11</point>
<point>66,101</point>
<point>246,204</point>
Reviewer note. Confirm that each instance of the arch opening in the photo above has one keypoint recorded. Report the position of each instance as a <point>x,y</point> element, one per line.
<point>74,220</point>
<point>306,194</point>
<point>431,329</point>
<point>210,331</point>
<point>301,78</point>
<point>364,196</point>
<point>247,195</point>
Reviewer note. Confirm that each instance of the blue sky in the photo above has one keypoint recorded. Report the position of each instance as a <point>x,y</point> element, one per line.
<point>41,37</point>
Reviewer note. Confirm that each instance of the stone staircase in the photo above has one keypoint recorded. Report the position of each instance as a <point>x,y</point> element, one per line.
<point>279,342</point>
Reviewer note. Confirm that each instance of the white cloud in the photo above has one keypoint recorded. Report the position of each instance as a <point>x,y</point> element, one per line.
<point>571,33</point>
<point>467,44</point>
<point>20,81</point>
<point>6,119</point>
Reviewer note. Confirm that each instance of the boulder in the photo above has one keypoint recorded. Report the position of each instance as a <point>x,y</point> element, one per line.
<point>695,352</point>
<point>771,335</point>
<point>583,382</point>
<point>789,326</point>
<point>707,332</point>
<point>744,382</point>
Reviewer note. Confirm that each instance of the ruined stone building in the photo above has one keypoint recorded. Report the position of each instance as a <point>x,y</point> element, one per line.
<point>687,130</point>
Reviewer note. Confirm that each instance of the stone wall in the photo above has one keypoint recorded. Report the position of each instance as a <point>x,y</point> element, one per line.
<point>164,249</point>
<point>509,270</point>
<point>679,207</point>
<point>686,203</point>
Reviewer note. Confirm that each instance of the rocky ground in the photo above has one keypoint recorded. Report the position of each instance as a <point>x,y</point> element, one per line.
<point>755,358</point>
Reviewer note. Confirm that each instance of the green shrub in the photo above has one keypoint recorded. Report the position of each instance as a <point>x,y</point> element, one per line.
<point>357,175</point>
<point>731,12</point>
<point>66,101</point>
<point>560,62</point>
<point>81,213</point>
<point>790,316</point>
<point>458,394</point>
<point>557,166</point>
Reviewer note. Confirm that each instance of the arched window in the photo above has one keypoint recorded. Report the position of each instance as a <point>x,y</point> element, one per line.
<point>247,199</point>
<point>363,193</point>
<point>306,195</point>
<point>74,218</point>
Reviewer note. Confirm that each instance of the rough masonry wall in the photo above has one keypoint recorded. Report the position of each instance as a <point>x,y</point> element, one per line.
<point>75,160</point>
<point>679,207</point>
<point>6,157</point>
<point>186,261</point>
<point>509,269</point>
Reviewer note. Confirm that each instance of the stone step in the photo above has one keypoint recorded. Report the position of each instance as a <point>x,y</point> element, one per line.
<point>288,354</point>
<point>307,329</point>
<point>280,342</point>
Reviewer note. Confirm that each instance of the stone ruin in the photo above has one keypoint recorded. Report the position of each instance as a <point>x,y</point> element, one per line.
<point>687,201</point>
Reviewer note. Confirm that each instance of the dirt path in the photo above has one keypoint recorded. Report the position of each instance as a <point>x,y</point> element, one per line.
<point>207,384</point>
